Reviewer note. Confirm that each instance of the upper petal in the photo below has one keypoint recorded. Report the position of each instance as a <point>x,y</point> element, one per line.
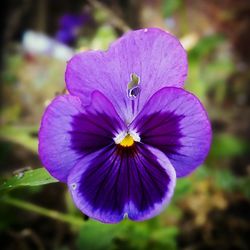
<point>114,182</point>
<point>156,57</point>
<point>175,122</point>
<point>69,131</point>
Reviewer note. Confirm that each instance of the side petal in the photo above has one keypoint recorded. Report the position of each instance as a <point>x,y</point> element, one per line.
<point>175,122</point>
<point>135,182</point>
<point>155,56</point>
<point>68,131</point>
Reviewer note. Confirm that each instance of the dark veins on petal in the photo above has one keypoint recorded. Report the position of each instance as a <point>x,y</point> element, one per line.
<point>162,130</point>
<point>92,132</point>
<point>121,175</point>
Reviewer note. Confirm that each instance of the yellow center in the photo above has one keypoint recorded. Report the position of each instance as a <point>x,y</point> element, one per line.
<point>128,141</point>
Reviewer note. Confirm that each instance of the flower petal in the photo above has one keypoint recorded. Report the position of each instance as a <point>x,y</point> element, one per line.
<point>156,57</point>
<point>116,182</point>
<point>175,122</point>
<point>68,131</point>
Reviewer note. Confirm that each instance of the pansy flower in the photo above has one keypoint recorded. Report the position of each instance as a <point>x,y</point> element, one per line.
<point>127,129</point>
<point>69,26</point>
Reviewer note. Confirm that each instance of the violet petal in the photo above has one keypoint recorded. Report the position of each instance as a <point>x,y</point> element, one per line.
<point>175,122</point>
<point>115,182</point>
<point>154,56</point>
<point>68,131</point>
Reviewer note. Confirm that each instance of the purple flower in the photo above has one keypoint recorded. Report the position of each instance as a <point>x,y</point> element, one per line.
<point>126,129</point>
<point>69,25</point>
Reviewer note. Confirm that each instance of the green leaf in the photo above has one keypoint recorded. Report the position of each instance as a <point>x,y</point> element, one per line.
<point>34,177</point>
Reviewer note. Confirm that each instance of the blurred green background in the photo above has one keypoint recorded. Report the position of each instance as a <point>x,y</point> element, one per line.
<point>211,207</point>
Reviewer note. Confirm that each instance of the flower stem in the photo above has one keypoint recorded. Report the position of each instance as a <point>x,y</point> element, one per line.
<point>77,221</point>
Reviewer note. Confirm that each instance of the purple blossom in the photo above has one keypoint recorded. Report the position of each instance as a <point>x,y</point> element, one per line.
<point>69,25</point>
<point>126,129</point>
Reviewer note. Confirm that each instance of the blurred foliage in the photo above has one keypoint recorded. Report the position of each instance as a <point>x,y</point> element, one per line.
<point>103,37</point>
<point>21,135</point>
<point>169,7</point>
<point>127,235</point>
<point>226,145</point>
<point>204,60</point>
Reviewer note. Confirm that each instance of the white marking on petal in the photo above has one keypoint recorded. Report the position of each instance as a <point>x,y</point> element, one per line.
<point>135,136</point>
<point>118,139</point>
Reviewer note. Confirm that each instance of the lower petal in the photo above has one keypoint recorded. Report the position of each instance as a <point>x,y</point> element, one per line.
<point>115,182</point>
